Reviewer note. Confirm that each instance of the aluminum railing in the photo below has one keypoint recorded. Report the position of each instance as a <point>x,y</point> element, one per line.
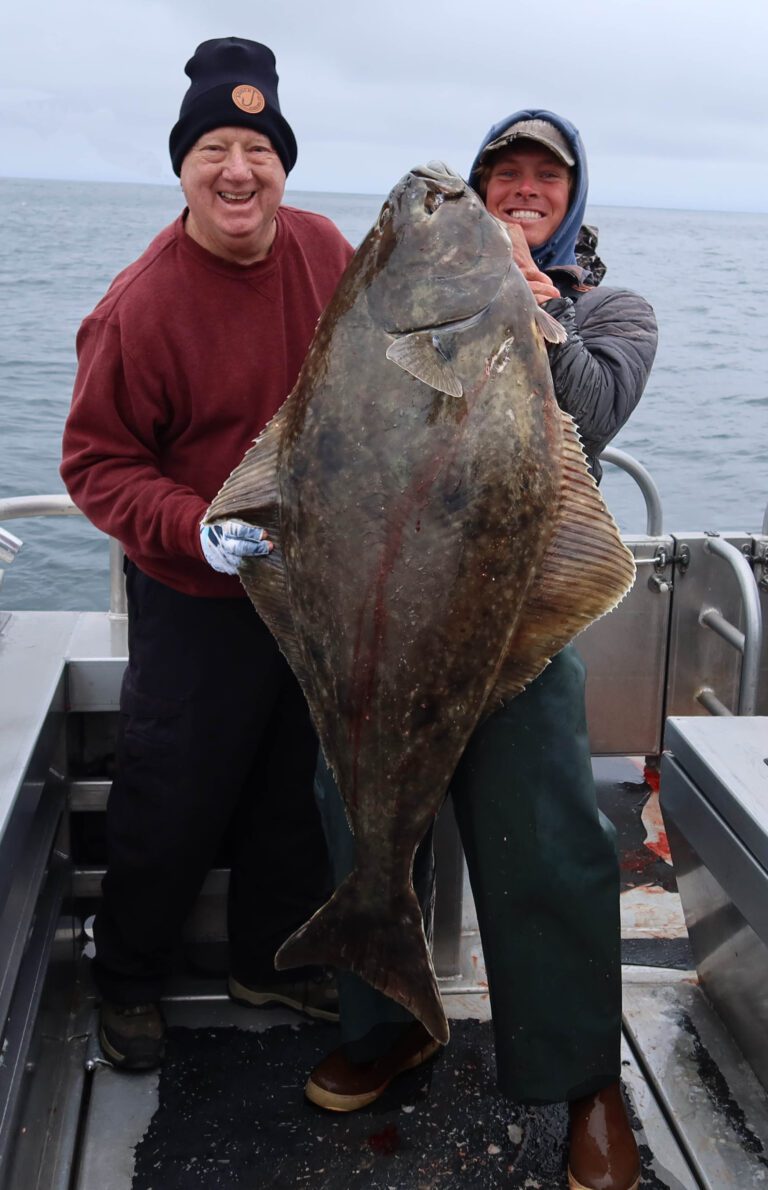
<point>16,507</point>
<point>646,483</point>
<point>749,642</point>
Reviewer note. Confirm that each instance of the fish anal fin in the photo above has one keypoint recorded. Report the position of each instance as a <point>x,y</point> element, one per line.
<point>265,583</point>
<point>418,354</point>
<point>552,330</point>
<point>251,494</point>
<point>385,946</point>
<point>586,571</point>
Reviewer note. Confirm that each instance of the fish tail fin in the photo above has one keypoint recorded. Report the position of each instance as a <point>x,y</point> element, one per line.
<point>384,946</point>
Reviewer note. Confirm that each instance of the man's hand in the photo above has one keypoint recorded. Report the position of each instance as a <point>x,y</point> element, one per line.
<point>541,287</point>
<point>226,543</point>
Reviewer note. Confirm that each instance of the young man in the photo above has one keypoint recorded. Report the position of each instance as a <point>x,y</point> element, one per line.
<point>191,351</point>
<point>540,856</point>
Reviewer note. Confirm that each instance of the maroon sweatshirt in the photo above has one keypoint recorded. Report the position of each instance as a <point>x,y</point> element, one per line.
<point>180,366</point>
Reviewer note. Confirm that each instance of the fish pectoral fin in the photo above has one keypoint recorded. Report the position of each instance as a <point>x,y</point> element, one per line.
<point>419,355</point>
<point>586,571</point>
<point>551,329</point>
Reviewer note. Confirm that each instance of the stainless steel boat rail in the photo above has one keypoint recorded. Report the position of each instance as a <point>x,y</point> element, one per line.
<point>16,507</point>
<point>748,643</point>
<point>671,665</point>
<point>646,483</point>
<point>13,507</point>
<point>10,545</point>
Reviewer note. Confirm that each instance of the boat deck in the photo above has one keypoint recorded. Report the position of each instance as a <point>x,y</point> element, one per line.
<point>227,1110</point>
<point>227,1113</point>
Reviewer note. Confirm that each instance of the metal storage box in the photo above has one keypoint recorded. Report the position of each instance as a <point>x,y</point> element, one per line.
<point>714,797</point>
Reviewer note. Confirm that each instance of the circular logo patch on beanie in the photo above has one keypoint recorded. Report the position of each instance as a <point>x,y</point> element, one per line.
<point>248,99</point>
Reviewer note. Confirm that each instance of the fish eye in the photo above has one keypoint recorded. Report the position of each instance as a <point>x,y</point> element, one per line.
<point>384,216</point>
<point>432,200</point>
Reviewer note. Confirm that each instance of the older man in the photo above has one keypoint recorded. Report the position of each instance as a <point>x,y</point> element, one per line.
<point>190,352</point>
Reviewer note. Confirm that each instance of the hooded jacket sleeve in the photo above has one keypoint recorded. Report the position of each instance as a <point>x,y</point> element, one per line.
<point>599,373</point>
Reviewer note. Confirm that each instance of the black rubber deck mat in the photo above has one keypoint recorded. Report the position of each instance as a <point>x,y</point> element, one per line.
<point>232,1116</point>
<point>673,953</point>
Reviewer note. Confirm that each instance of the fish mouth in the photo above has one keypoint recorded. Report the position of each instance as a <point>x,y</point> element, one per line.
<point>426,186</point>
<point>443,184</point>
<point>438,171</point>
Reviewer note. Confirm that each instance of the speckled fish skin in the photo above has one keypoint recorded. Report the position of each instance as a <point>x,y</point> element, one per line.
<point>410,524</point>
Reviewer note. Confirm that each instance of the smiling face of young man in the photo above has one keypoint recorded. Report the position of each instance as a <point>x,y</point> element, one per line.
<point>530,186</point>
<point>233,181</point>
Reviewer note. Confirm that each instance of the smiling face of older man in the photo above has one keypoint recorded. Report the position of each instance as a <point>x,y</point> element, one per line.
<point>233,182</point>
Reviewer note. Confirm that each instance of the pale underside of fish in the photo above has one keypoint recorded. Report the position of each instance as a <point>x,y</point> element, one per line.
<point>438,538</point>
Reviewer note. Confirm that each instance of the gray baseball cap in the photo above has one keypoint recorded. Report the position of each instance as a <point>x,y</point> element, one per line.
<point>538,130</point>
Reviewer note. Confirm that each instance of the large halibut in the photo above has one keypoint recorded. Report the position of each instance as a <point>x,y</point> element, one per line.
<point>438,538</point>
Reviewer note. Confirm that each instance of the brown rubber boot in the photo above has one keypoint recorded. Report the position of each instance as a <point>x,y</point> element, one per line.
<point>602,1153</point>
<point>340,1085</point>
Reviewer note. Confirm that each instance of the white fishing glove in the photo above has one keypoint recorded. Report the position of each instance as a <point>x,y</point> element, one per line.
<point>226,543</point>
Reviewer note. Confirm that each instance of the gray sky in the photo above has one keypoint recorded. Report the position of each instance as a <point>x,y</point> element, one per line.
<point>670,96</point>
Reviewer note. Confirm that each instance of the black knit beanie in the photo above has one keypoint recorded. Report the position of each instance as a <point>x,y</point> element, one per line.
<point>234,83</point>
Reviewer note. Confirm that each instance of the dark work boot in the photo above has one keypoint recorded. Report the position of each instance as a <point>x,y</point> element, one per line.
<point>132,1036</point>
<point>314,995</point>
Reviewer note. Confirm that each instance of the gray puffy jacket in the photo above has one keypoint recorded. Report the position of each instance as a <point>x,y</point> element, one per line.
<point>599,373</point>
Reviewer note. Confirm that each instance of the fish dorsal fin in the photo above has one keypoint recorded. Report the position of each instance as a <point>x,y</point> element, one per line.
<point>552,330</point>
<point>586,571</point>
<point>251,494</point>
<point>419,353</point>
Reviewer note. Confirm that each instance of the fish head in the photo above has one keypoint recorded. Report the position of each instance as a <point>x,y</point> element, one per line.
<point>438,256</point>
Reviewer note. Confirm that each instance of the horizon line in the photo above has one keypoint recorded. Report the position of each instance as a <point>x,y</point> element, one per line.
<point>373,194</point>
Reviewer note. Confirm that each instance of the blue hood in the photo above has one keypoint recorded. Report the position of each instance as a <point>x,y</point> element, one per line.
<point>560,248</point>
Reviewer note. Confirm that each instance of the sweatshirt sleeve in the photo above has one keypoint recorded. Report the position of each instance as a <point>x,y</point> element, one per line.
<point>110,453</point>
<point>599,373</point>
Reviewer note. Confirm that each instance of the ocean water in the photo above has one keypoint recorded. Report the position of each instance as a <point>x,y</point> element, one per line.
<point>701,427</point>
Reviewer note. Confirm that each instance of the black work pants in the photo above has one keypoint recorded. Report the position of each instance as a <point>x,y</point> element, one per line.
<point>545,879</point>
<point>214,739</point>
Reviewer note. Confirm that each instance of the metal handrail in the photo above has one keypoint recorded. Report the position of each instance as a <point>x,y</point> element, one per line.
<point>13,507</point>
<point>16,507</point>
<point>750,641</point>
<point>646,483</point>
